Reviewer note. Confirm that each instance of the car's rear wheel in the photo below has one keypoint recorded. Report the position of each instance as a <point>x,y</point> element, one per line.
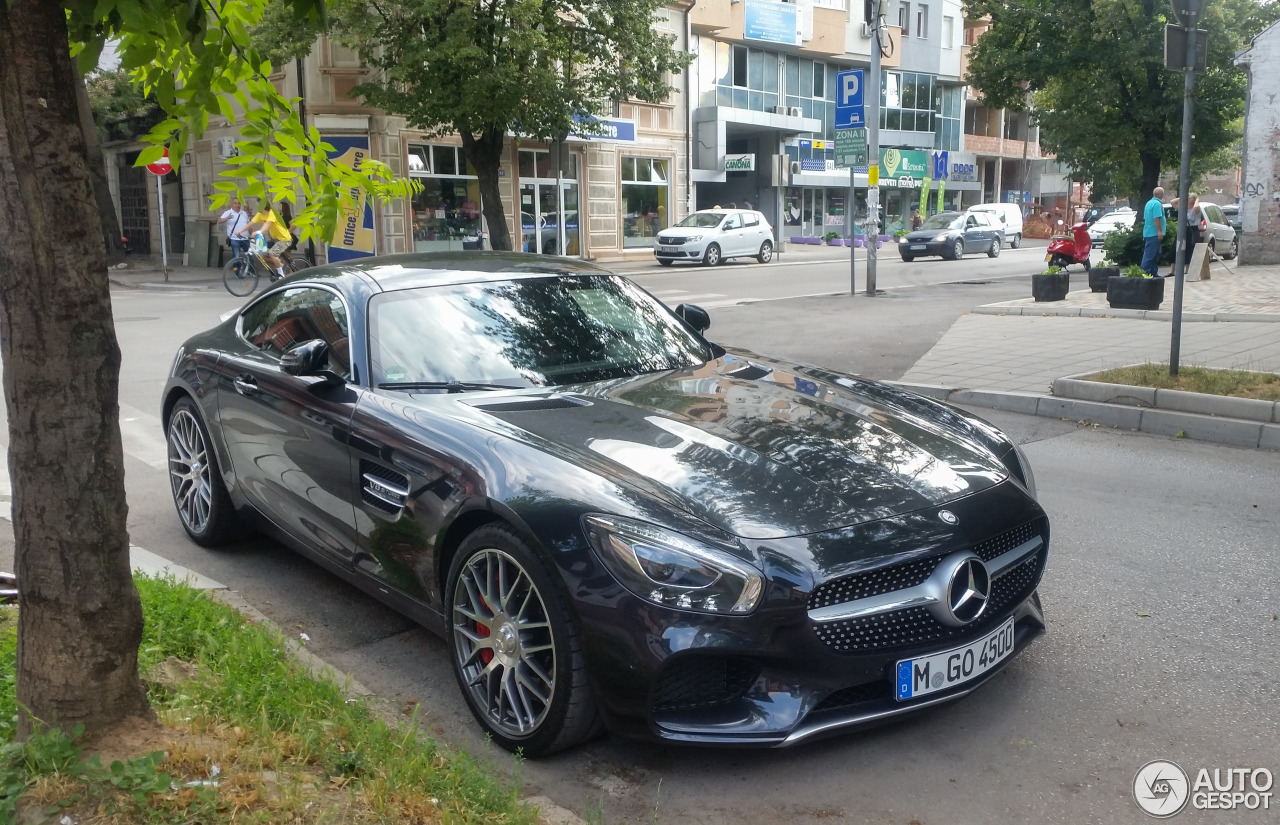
<point>957,251</point>
<point>994,251</point>
<point>198,492</point>
<point>766,252</point>
<point>712,256</point>
<point>515,651</point>
<point>1016,242</point>
<point>1235,249</point>
<point>664,261</point>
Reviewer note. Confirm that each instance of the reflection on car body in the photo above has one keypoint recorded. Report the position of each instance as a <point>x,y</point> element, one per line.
<point>609,518</point>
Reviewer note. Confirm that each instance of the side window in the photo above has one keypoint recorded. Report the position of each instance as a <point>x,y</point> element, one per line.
<point>734,221</point>
<point>750,219</point>
<point>278,322</point>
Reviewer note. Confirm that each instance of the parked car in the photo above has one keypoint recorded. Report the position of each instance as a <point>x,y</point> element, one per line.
<point>710,236</point>
<point>547,233</point>
<point>608,517</point>
<point>1215,229</point>
<point>1093,213</point>
<point>1008,216</point>
<point>951,235</point>
<point>1119,219</point>
<point>1232,213</point>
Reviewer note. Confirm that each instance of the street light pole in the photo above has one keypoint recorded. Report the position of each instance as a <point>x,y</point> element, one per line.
<point>1188,12</point>
<point>873,149</point>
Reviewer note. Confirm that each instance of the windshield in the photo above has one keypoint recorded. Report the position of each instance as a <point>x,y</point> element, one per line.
<point>703,220</point>
<point>526,332</point>
<point>942,220</point>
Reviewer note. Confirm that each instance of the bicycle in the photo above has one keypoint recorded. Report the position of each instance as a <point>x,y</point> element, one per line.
<point>241,274</point>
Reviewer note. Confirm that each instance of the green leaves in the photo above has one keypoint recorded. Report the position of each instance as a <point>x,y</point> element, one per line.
<point>199,58</point>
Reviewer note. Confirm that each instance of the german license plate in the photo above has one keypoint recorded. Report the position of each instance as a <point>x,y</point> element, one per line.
<point>939,671</point>
<point>916,246</point>
<point>669,250</point>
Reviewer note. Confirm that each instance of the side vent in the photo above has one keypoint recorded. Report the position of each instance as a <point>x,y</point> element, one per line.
<point>383,489</point>
<point>558,402</point>
<point>750,372</point>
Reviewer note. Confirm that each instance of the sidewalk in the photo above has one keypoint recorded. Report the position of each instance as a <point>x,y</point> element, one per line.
<point>1011,356</point>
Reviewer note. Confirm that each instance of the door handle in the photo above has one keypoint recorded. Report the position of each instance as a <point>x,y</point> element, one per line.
<point>245,385</point>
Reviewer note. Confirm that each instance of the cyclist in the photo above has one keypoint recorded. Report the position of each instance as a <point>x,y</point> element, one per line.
<point>278,234</point>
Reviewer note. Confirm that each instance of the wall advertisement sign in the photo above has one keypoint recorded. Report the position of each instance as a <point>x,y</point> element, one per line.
<point>770,21</point>
<point>353,236</point>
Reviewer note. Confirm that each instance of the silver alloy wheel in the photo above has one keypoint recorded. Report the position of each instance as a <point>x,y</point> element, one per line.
<point>189,471</point>
<point>503,642</point>
<point>712,256</point>
<point>958,252</point>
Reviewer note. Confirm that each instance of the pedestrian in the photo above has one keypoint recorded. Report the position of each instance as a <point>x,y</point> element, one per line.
<point>276,232</point>
<point>733,204</point>
<point>747,205</point>
<point>233,220</point>
<point>1153,232</point>
<point>1191,232</point>
<point>916,220</point>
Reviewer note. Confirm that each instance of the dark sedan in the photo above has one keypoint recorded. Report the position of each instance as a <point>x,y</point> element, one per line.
<point>609,518</point>
<point>951,235</point>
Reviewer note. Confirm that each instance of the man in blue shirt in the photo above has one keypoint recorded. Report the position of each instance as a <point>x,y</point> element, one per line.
<point>1153,232</point>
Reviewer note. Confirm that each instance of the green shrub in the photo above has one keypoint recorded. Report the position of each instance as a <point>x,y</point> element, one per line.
<point>1124,246</point>
<point>1134,271</point>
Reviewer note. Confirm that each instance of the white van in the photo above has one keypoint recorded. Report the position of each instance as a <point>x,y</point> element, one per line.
<point>1008,216</point>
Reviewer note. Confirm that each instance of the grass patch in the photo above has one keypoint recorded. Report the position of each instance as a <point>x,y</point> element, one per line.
<point>1236,383</point>
<point>246,735</point>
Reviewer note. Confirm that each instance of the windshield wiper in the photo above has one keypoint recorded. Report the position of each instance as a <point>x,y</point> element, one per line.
<point>447,386</point>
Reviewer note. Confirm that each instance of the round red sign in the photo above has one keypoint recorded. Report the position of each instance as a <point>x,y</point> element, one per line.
<point>162,166</point>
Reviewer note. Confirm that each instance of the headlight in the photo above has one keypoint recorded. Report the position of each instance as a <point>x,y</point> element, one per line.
<point>940,239</point>
<point>1028,477</point>
<point>673,570</point>
<point>693,238</point>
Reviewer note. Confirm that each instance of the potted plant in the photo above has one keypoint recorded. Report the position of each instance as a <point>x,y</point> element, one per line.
<point>833,239</point>
<point>1098,275</point>
<point>1050,285</point>
<point>1134,289</point>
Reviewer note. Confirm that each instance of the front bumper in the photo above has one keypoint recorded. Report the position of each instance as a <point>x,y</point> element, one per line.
<point>917,249</point>
<point>692,251</point>
<point>787,674</point>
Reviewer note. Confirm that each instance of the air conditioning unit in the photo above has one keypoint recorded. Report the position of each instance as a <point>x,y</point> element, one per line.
<point>795,111</point>
<point>795,167</point>
<point>866,30</point>
<point>227,148</point>
<point>779,110</point>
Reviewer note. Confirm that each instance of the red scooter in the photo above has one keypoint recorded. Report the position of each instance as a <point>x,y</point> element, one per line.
<point>1064,251</point>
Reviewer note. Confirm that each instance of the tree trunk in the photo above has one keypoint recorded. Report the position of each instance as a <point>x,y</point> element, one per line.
<point>80,619</point>
<point>98,169</point>
<point>1150,172</point>
<point>485,153</point>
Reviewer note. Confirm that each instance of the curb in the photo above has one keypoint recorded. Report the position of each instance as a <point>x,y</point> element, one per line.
<point>1017,308</point>
<point>1220,406</point>
<point>1216,429</point>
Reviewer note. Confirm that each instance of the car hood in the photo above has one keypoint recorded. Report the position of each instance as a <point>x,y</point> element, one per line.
<point>927,235</point>
<point>758,448</point>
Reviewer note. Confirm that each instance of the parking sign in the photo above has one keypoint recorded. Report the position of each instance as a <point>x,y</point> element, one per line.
<point>849,109</point>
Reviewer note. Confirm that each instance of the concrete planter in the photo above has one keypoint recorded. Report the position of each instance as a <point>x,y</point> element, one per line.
<point>1050,286</point>
<point>1098,277</point>
<point>1134,293</point>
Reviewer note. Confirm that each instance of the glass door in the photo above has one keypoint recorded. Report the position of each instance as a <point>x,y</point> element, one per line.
<point>540,218</point>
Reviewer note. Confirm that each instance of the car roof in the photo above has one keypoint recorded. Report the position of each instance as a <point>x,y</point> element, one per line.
<point>419,269</point>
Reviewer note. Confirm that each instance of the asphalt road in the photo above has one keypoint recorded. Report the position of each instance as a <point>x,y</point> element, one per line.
<point>1159,592</point>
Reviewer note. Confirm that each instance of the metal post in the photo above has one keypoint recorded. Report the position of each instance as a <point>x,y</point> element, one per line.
<point>1184,185</point>
<point>852,230</point>
<point>560,234</point>
<point>779,222</point>
<point>873,149</point>
<point>164,243</point>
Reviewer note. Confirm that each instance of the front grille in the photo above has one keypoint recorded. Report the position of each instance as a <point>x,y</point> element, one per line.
<point>872,582</point>
<point>699,682</point>
<point>670,240</point>
<point>1003,543</point>
<point>866,692</point>
<point>916,626</point>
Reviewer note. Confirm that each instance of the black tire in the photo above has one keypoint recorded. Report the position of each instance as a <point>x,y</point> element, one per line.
<point>1213,244</point>
<point>994,251</point>
<point>712,256</point>
<point>665,261</point>
<point>1235,249</point>
<point>1086,264</point>
<point>240,276</point>
<point>766,252</point>
<point>1059,261</point>
<point>908,258</point>
<point>957,250</point>
<point>554,708</point>
<point>1016,242</point>
<point>200,497</point>
<point>297,263</point>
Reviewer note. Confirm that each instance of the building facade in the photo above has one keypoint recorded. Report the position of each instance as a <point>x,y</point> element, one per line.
<point>1260,187</point>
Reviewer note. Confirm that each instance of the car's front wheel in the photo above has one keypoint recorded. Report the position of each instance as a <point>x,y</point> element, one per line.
<point>1235,249</point>
<point>908,258</point>
<point>712,256</point>
<point>665,261</point>
<point>957,250</point>
<point>766,252</point>
<point>515,651</point>
<point>198,492</point>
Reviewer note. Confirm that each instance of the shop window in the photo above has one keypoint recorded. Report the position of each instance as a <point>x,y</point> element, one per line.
<point>645,199</point>
<point>445,212</point>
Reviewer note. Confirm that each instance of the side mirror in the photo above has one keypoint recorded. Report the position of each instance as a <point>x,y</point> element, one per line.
<point>309,358</point>
<point>695,316</point>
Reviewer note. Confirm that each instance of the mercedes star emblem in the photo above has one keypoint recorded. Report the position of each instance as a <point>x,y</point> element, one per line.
<point>967,590</point>
<point>948,517</point>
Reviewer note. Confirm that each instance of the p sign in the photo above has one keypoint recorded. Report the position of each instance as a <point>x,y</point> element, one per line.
<point>849,109</point>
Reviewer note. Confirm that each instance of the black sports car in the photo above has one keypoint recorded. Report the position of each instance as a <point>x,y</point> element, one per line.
<point>609,518</point>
